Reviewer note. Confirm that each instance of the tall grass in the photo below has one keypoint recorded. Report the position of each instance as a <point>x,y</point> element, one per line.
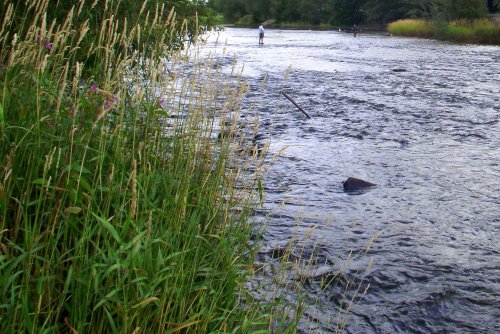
<point>411,27</point>
<point>120,211</point>
<point>477,31</point>
<point>463,31</point>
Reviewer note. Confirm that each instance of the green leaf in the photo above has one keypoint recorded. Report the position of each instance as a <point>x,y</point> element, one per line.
<point>146,302</point>
<point>109,227</point>
<point>261,192</point>
<point>72,210</point>
<point>1,115</point>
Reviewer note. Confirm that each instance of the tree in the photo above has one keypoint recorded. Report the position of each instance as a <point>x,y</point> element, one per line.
<point>292,11</point>
<point>459,9</point>
<point>347,12</point>
<point>392,10</point>
<point>493,5</point>
<point>314,11</point>
<point>232,10</point>
<point>259,9</point>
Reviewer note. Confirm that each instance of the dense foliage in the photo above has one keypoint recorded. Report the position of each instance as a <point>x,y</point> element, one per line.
<point>347,12</point>
<point>119,210</point>
<point>191,17</point>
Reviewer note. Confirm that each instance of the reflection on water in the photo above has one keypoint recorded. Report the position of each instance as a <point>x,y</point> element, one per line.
<point>427,135</point>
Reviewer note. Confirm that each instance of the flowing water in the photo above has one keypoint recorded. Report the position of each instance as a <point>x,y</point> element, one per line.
<point>427,134</point>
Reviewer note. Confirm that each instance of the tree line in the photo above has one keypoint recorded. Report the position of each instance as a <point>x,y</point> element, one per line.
<point>348,12</point>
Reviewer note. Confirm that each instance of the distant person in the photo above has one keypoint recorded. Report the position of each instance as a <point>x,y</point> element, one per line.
<point>261,35</point>
<point>355,29</point>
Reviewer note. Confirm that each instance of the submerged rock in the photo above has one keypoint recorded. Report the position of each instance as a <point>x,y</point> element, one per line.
<point>353,184</point>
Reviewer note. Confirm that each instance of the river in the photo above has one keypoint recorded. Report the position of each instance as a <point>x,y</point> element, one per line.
<point>426,239</point>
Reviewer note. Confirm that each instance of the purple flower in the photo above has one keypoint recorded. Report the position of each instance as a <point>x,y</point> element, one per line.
<point>162,102</point>
<point>48,45</point>
<point>93,89</point>
<point>108,105</point>
<point>110,102</point>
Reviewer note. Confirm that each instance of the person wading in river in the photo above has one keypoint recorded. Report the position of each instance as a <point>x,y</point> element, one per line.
<point>261,35</point>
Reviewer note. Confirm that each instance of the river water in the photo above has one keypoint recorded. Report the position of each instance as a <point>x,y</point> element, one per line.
<point>426,239</point>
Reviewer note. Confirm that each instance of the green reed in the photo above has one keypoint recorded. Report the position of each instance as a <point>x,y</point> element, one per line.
<point>120,211</point>
<point>411,27</point>
<point>463,31</point>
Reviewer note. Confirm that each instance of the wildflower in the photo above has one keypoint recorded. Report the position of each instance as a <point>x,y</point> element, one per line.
<point>110,103</point>
<point>48,45</point>
<point>162,102</point>
<point>94,89</point>
<point>109,100</point>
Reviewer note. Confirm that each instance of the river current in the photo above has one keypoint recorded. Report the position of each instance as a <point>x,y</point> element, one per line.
<point>419,118</point>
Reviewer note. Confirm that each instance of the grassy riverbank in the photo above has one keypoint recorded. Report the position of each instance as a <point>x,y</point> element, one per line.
<point>462,31</point>
<point>120,211</point>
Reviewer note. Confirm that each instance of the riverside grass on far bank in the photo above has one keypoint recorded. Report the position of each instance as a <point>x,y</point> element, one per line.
<point>119,211</point>
<point>481,31</point>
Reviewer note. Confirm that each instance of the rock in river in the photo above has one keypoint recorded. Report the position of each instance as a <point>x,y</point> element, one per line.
<point>353,184</point>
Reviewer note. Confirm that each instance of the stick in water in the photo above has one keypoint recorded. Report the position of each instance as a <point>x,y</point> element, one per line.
<point>295,104</point>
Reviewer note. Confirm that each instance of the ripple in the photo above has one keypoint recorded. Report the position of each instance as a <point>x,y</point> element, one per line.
<point>429,137</point>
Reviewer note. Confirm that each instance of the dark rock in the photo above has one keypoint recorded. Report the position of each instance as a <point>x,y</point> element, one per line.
<point>353,184</point>
<point>399,70</point>
<point>258,137</point>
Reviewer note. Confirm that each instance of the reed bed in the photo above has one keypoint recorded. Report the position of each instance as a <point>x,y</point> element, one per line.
<point>121,209</point>
<point>411,27</point>
<point>462,31</point>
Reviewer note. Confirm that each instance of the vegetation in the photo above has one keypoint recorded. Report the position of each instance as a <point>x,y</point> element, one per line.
<point>412,27</point>
<point>348,12</point>
<point>120,211</point>
<point>463,31</point>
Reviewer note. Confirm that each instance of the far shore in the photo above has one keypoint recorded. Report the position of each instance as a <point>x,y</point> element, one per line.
<point>371,29</point>
<point>322,27</point>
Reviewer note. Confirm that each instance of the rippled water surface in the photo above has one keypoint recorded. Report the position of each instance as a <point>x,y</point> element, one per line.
<point>428,136</point>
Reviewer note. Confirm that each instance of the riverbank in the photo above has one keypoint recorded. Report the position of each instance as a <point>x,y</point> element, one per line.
<point>120,209</point>
<point>478,32</point>
<point>272,24</point>
<point>464,31</point>
<point>374,28</point>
